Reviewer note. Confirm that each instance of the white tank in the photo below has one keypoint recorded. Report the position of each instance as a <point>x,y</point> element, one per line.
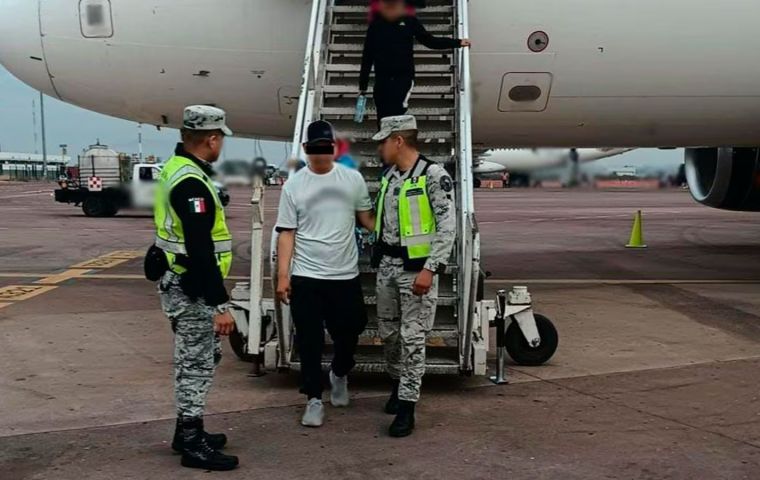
<point>100,161</point>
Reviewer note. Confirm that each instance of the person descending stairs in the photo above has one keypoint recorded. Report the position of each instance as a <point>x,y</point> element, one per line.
<point>440,103</point>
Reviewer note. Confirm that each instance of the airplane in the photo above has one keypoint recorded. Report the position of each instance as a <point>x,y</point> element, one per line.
<point>559,73</point>
<point>523,163</point>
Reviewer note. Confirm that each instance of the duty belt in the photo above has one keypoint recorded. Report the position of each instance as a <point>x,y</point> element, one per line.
<point>393,251</point>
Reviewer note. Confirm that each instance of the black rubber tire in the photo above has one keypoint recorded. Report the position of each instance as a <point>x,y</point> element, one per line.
<point>238,344</point>
<point>522,353</point>
<point>111,210</point>
<point>95,207</point>
<point>476,183</point>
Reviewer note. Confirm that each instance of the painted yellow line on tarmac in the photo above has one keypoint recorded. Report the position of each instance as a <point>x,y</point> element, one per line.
<point>23,275</point>
<point>17,293</point>
<point>124,254</point>
<point>63,276</point>
<point>109,260</point>
<point>127,276</point>
<point>100,263</point>
<point>592,281</point>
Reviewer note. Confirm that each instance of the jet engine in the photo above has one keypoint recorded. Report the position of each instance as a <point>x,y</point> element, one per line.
<point>725,178</point>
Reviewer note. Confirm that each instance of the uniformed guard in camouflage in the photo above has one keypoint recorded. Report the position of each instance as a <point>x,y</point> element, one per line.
<point>196,245</point>
<point>197,350</point>
<point>405,318</point>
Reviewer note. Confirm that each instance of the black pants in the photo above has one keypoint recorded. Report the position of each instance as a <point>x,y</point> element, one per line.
<point>337,305</point>
<point>391,95</point>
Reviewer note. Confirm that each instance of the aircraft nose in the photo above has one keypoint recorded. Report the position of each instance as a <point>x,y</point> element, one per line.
<point>20,44</point>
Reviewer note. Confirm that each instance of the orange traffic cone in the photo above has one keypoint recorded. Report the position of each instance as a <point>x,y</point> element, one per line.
<point>637,233</point>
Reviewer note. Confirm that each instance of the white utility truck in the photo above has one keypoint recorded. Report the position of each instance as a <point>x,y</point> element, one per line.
<point>107,182</point>
<point>441,100</point>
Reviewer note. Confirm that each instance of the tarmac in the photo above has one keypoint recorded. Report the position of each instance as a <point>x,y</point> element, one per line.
<point>655,377</point>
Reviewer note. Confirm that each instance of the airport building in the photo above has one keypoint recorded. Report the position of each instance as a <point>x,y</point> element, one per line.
<point>30,166</point>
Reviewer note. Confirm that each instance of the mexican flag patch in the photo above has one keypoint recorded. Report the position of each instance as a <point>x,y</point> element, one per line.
<point>198,205</point>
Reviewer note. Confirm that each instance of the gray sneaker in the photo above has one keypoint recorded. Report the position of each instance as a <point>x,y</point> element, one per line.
<point>314,415</point>
<point>339,393</point>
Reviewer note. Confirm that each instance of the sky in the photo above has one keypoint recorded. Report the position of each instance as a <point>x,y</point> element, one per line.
<point>79,128</point>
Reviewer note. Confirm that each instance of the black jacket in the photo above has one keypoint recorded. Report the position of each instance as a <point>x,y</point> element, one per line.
<point>203,278</point>
<point>389,46</point>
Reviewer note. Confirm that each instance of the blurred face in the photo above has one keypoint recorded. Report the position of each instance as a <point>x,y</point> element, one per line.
<point>392,9</point>
<point>390,149</point>
<point>321,152</point>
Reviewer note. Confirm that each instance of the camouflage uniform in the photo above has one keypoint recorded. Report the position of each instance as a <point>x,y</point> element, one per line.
<point>197,350</point>
<point>404,319</point>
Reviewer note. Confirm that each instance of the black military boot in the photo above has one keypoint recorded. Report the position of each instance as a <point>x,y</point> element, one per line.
<point>403,424</point>
<point>217,441</point>
<point>391,406</point>
<point>197,453</point>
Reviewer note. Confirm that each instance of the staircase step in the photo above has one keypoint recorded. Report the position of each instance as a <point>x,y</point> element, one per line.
<point>362,28</point>
<point>362,9</point>
<point>418,89</point>
<point>358,47</point>
<point>371,112</point>
<point>437,363</point>
<point>354,68</point>
<point>443,301</point>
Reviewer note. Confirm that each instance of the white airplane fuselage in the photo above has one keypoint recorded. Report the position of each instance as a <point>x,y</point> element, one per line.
<point>527,161</point>
<point>646,73</point>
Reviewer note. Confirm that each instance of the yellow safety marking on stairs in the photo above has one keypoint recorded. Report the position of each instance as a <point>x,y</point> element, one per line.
<point>22,292</point>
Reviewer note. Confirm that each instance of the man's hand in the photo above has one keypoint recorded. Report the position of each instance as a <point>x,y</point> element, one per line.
<point>224,324</point>
<point>423,283</point>
<point>283,289</point>
<point>466,42</point>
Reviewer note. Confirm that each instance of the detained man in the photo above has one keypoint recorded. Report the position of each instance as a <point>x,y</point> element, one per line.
<point>318,266</point>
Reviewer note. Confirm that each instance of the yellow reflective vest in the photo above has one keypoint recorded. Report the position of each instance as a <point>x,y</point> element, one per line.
<point>417,226</point>
<point>170,237</point>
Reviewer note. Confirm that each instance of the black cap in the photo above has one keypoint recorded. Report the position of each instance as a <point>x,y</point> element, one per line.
<point>319,132</point>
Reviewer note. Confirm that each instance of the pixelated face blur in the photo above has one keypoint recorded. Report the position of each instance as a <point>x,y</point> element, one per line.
<point>322,152</point>
<point>392,10</point>
<point>390,149</point>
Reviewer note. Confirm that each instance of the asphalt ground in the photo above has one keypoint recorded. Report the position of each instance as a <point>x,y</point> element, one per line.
<point>656,374</point>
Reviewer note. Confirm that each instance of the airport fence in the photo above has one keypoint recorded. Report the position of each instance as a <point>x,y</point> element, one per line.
<point>28,173</point>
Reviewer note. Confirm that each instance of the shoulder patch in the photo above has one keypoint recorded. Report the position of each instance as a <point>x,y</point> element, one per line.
<point>447,184</point>
<point>197,205</point>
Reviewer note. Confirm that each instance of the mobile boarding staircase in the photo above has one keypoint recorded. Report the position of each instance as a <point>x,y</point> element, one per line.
<point>441,103</point>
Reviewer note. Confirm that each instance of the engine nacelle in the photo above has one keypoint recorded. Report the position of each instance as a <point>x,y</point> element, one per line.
<point>725,178</point>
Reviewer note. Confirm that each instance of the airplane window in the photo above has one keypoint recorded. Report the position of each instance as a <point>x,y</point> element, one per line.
<point>525,93</point>
<point>95,18</point>
<point>95,15</point>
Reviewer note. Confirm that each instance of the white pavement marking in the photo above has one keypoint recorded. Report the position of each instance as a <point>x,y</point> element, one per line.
<point>27,194</point>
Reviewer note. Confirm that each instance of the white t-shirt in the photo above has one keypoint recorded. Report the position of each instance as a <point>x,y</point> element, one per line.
<point>322,210</point>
